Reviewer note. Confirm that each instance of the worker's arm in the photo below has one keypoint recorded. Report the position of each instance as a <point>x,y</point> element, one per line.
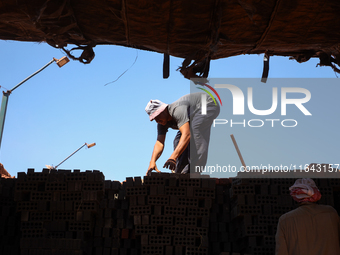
<point>157,152</point>
<point>183,141</point>
<point>182,145</point>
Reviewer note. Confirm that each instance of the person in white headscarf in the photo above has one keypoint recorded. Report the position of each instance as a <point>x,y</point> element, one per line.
<point>311,228</point>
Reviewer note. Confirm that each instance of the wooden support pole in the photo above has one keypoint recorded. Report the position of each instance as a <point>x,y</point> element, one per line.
<point>238,151</point>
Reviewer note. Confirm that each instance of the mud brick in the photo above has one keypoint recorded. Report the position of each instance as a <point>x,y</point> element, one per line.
<point>187,201</point>
<point>107,213</point>
<point>93,186</point>
<point>208,203</point>
<point>281,209</point>
<point>174,230</point>
<point>274,189</point>
<point>184,241</point>
<point>56,186</point>
<point>219,199</point>
<point>74,186</point>
<point>154,249</point>
<point>106,232</point>
<point>26,186</point>
<point>98,176</point>
<point>112,203</point>
<point>141,200</point>
<point>198,212</point>
<point>115,243</point>
<point>121,214</point>
<point>121,223</point>
<point>145,219</point>
<point>157,210</point>
<point>136,191</point>
<point>284,190</point>
<point>64,216</point>
<point>86,205</point>
<point>261,250</point>
<point>172,182</point>
<point>21,176</point>
<point>24,216</point>
<point>242,190</point>
<point>79,226</point>
<point>129,182</point>
<point>137,219</point>
<point>144,239</point>
<point>176,191</point>
<point>161,220</point>
<point>158,200</point>
<point>71,196</point>
<point>266,209</point>
<point>268,219</point>
<point>116,185</point>
<point>137,181</point>
<point>175,210</point>
<point>58,225</point>
<point>179,250</point>
<point>169,250</point>
<point>255,230</point>
<point>154,180</point>
<point>145,230</point>
<point>326,191</point>
<point>190,191</point>
<point>159,240</point>
<point>40,216</point>
<point>107,184</point>
<point>33,233</point>
<point>153,190</point>
<point>196,251</point>
<point>125,233</point>
<point>284,200</point>
<point>174,200</point>
<point>27,206</point>
<point>245,209</point>
<point>140,210</point>
<point>87,215</point>
<point>38,177</point>
<point>108,223</point>
<point>185,221</point>
<point>186,181</point>
<point>124,204</point>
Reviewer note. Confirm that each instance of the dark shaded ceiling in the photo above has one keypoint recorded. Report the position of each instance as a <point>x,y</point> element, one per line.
<point>196,30</point>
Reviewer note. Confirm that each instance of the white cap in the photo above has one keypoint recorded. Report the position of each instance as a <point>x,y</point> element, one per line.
<point>154,108</point>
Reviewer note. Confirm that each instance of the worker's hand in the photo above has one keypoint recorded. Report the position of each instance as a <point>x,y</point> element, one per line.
<point>170,164</point>
<point>152,166</point>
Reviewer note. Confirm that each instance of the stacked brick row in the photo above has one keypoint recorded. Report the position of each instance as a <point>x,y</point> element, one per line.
<point>9,221</point>
<point>257,204</point>
<point>58,210</point>
<point>113,230</point>
<point>80,213</point>
<point>171,213</point>
<point>219,236</point>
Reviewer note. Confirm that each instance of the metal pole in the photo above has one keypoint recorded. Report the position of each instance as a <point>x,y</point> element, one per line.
<point>3,111</point>
<point>6,94</point>
<point>29,77</point>
<point>69,156</point>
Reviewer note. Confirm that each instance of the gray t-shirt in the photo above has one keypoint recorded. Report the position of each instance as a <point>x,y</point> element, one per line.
<point>181,110</point>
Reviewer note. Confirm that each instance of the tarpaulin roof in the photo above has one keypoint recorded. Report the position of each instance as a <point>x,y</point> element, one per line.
<point>196,30</point>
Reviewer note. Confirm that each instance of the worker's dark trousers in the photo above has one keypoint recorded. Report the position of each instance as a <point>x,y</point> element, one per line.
<point>196,153</point>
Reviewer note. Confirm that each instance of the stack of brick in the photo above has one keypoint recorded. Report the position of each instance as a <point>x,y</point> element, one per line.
<point>112,228</point>
<point>58,210</point>
<point>171,213</point>
<point>219,236</point>
<point>9,221</point>
<point>256,207</point>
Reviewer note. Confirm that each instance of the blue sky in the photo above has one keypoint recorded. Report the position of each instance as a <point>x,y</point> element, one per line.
<point>60,109</point>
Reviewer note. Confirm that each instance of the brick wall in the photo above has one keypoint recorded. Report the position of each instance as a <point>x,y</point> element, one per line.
<point>73,212</point>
